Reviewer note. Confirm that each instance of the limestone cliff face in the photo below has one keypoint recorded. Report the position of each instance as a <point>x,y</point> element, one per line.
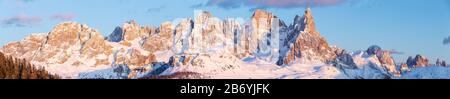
<point>162,40</point>
<point>418,61</point>
<point>263,36</point>
<point>306,43</point>
<point>66,40</point>
<point>77,46</point>
<point>440,63</point>
<point>203,39</point>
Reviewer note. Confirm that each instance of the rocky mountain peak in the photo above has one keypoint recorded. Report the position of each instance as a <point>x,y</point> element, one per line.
<point>70,27</point>
<point>374,50</point>
<point>308,22</point>
<point>205,14</point>
<point>259,13</point>
<point>298,19</point>
<point>66,40</point>
<point>307,43</point>
<point>440,63</point>
<point>129,32</point>
<point>418,61</point>
<point>162,40</point>
<point>262,18</point>
<point>199,43</point>
<point>116,35</point>
<point>131,24</point>
<point>308,13</point>
<point>71,33</point>
<point>166,28</point>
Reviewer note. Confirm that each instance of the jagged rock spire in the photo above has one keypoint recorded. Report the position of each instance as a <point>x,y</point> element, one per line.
<point>307,42</point>
<point>309,21</point>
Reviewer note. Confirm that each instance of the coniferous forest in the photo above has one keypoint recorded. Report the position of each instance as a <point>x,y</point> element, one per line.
<point>14,68</point>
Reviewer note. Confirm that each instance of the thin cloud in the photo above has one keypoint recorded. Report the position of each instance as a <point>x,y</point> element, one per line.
<point>62,16</point>
<point>231,4</point>
<point>21,21</point>
<point>446,40</point>
<point>393,51</point>
<point>158,9</point>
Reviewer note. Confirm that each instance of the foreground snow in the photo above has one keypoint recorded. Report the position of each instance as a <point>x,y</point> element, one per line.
<point>295,71</point>
<point>269,71</point>
<point>432,72</point>
<point>225,66</point>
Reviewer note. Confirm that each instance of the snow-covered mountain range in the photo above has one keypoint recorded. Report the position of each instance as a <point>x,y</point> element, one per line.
<point>209,47</point>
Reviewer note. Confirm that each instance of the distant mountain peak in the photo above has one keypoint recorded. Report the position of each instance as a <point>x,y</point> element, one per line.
<point>207,45</point>
<point>259,13</point>
<point>307,42</point>
<point>309,21</point>
<point>417,61</point>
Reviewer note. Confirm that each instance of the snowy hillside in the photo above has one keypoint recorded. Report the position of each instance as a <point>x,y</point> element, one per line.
<point>432,72</point>
<point>264,47</point>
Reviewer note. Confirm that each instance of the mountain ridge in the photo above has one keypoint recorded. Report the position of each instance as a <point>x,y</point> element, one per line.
<point>205,45</point>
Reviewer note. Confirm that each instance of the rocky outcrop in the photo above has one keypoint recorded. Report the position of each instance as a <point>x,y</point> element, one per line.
<point>207,33</point>
<point>266,35</point>
<point>262,23</point>
<point>344,61</point>
<point>27,47</point>
<point>234,37</point>
<point>116,35</point>
<point>132,30</point>
<point>202,40</point>
<point>374,50</point>
<point>404,67</point>
<point>133,58</point>
<point>307,43</point>
<point>374,63</point>
<point>71,38</point>
<point>418,61</point>
<point>388,62</point>
<point>182,30</point>
<point>440,63</point>
<point>161,39</point>
<point>66,40</point>
<point>77,45</point>
<point>130,33</point>
<point>185,60</point>
<point>384,58</point>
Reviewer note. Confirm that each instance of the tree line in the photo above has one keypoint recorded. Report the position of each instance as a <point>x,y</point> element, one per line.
<point>14,68</point>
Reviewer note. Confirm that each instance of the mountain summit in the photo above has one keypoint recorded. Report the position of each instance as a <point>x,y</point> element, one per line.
<point>305,42</point>
<point>205,47</point>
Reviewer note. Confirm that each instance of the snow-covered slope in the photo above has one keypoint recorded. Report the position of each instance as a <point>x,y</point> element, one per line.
<point>361,65</point>
<point>205,47</point>
<point>431,72</point>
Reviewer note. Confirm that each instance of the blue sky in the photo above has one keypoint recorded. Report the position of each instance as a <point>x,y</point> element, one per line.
<point>408,26</point>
